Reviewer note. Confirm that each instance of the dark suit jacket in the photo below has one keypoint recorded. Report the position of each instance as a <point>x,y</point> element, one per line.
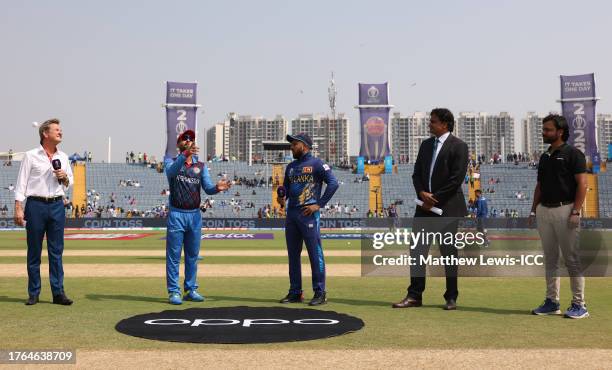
<point>447,177</point>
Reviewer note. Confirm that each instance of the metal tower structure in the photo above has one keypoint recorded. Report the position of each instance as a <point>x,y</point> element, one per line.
<point>332,138</point>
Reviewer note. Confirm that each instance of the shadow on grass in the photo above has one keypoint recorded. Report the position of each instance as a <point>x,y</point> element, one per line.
<point>125,297</point>
<point>332,300</point>
<point>242,299</point>
<point>359,302</point>
<point>486,310</point>
<point>4,298</point>
<point>497,311</point>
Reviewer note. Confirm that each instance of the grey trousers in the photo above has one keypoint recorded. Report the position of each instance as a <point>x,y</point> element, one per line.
<point>557,235</point>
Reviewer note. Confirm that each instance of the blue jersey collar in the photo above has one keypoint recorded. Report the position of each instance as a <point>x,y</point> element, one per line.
<point>305,156</point>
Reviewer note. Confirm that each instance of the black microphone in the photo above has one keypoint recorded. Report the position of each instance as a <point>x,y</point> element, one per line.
<point>57,164</point>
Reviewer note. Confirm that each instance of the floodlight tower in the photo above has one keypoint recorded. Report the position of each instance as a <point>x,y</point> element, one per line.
<point>332,92</point>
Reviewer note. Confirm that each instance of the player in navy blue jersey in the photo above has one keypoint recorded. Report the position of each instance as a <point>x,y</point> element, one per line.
<point>186,175</point>
<point>303,183</point>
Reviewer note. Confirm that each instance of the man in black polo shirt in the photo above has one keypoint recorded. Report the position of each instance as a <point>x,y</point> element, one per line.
<point>557,200</point>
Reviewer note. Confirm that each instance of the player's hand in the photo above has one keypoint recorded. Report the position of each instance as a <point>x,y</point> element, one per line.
<point>427,206</point>
<point>574,221</point>
<point>308,210</point>
<point>60,174</point>
<point>223,185</point>
<point>530,220</point>
<point>19,217</point>
<point>62,177</point>
<point>428,198</point>
<point>193,149</point>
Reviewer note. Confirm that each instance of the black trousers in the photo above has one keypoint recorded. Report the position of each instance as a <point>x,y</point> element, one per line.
<point>435,225</point>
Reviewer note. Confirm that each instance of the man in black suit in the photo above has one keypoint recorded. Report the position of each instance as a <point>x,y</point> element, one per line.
<point>439,171</point>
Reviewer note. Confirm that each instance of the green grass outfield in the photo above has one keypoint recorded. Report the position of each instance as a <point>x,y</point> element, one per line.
<point>493,312</point>
<point>11,240</point>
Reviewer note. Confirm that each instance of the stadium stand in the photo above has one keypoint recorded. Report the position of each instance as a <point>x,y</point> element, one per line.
<point>605,194</point>
<point>104,179</point>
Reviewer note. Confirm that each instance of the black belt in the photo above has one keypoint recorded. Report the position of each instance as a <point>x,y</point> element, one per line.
<point>46,199</point>
<point>557,204</point>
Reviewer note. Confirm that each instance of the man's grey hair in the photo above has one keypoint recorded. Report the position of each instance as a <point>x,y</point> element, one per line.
<point>44,127</point>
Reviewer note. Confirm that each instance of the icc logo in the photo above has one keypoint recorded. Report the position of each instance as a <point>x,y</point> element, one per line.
<point>373,92</point>
<point>579,122</point>
<point>180,128</point>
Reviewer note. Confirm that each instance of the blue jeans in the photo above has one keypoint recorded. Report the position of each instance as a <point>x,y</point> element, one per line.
<point>182,228</point>
<point>45,218</point>
<point>300,229</point>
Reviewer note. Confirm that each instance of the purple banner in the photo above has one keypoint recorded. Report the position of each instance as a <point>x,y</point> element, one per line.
<point>180,112</point>
<point>578,106</point>
<point>373,94</point>
<point>374,133</point>
<point>181,92</point>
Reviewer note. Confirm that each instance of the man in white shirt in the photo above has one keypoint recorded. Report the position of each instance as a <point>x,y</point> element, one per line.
<point>43,189</point>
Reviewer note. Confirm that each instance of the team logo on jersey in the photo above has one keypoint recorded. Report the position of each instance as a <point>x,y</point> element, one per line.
<point>307,169</point>
<point>196,170</point>
<point>290,171</point>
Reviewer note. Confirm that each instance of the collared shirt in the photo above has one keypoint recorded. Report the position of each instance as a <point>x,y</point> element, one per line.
<point>556,174</point>
<point>441,141</point>
<point>36,177</point>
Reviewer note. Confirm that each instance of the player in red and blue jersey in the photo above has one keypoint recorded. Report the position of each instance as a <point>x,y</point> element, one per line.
<point>184,225</point>
<point>303,183</point>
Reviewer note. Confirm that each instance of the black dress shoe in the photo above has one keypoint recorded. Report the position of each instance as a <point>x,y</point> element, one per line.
<point>450,305</point>
<point>408,302</point>
<point>318,299</point>
<point>62,299</point>
<point>293,298</point>
<point>32,300</point>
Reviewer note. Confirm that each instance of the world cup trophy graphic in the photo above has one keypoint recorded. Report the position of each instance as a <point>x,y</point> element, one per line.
<point>375,138</point>
<point>374,115</point>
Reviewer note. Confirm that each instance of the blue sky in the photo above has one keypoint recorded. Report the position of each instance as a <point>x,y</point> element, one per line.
<point>100,67</point>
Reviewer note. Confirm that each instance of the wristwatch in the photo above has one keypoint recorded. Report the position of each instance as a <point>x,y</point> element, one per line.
<point>575,212</point>
<point>532,213</point>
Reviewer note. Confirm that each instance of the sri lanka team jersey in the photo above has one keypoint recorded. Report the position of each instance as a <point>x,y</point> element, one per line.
<point>185,180</point>
<point>304,180</point>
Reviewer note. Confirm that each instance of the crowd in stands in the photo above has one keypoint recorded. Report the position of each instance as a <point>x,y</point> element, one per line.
<point>494,212</point>
<point>389,212</point>
<point>144,160</point>
<point>9,158</point>
<point>268,211</point>
<point>364,178</point>
<point>339,210</point>
<point>236,205</point>
<point>129,182</point>
<point>496,158</point>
